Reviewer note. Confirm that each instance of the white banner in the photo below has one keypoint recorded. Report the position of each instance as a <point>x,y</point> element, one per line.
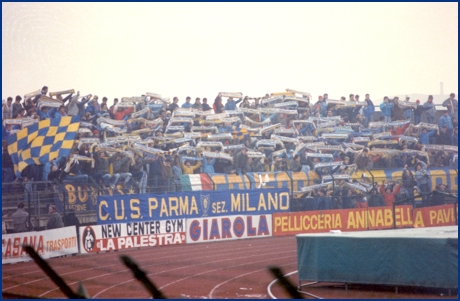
<point>100,238</point>
<point>221,228</point>
<point>47,243</point>
<point>231,94</point>
<point>299,92</point>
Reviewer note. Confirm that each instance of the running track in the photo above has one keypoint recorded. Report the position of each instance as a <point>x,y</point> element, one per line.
<point>231,269</point>
<point>219,270</point>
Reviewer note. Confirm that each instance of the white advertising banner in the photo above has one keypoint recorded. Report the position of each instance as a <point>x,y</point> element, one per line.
<point>100,238</point>
<point>220,228</point>
<point>47,243</point>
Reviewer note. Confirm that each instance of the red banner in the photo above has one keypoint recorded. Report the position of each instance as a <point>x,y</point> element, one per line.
<point>376,218</point>
<point>445,215</point>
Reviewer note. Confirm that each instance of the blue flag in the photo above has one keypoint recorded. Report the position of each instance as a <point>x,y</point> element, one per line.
<point>42,142</point>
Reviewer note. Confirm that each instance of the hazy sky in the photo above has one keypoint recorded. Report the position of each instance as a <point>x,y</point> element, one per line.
<point>200,49</point>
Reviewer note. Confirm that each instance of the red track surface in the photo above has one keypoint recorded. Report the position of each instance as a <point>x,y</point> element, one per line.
<point>232,269</point>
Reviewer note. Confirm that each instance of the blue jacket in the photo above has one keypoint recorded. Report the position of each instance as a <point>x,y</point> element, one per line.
<point>445,120</point>
<point>425,138</point>
<point>386,109</point>
<point>430,109</point>
<point>369,109</point>
<point>46,115</point>
<point>187,105</point>
<point>58,114</point>
<point>92,109</point>
<point>323,108</point>
<point>208,166</point>
<point>408,113</point>
<point>231,105</point>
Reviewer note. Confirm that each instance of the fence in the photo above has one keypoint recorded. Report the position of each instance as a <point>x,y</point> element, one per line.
<point>37,196</point>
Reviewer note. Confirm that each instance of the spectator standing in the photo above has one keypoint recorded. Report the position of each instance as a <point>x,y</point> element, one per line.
<point>399,130</point>
<point>386,107</point>
<point>375,199</point>
<point>155,174</point>
<point>398,111</point>
<point>29,105</point>
<point>323,106</point>
<point>177,170</point>
<point>85,166</point>
<point>93,106</point>
<point>409,111</point>
<point>444,138</point>
<point>245,103</point>
<point>208,165</point>
<point>20,219</point>
<point>257,165</point>
<point>368,111</point>
<point>30,174</point>
<point>197,105</point>
<point>241,161</point>
<point>446,120</point>
<point>347,200</point>
<point>412,131</point>
<point>138,173</point>
<point>73,172</point>
<point>408,183</point>
<point>173,106</point>
<point>121,167</point>
<point>439,195</point>
<point>218,106</point>
<point>121,113</point>
<point>55,170</point>
<point>70,219</point>
<point>21,113</point>
<point>455,137</point>
<point>7,168</point>
<point>77,108</point>
<point>17,106</point>
<point>8,108</point>
<point>231,104</point>
<point>425,136</point>
<point>46,112</point>
<point>388,194</point>
<point>188,168</point>
<point>323,202</point>
<point>418,112</point>
<point>177,173</point>
<point>422,177</point>
<point>205,105</point>
<point>166,173</point>
<point>187,103</point>
<point>104,102</point>
<point>102,173</point>
<point>362,160</point>
<point>60,113</point>
<point>112,108</point>
<point>295,165</point>
<point>430,109</point>
<point>55,220</point>
<point>452,105</point>
<point>256,104</point>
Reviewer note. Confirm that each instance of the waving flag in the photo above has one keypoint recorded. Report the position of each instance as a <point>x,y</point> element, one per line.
<point>43,141</point>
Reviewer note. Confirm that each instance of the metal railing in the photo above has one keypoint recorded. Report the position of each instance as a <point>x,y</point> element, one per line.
<point>37,196</point>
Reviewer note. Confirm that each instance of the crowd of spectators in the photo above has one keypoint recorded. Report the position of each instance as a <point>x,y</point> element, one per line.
<point>150,140</point>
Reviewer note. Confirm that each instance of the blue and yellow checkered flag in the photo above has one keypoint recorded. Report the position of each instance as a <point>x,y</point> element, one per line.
<point>240,133</point>
<point>43,141</point>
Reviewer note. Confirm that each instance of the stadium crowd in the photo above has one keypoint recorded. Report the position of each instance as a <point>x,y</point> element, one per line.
<point>148,139</point>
